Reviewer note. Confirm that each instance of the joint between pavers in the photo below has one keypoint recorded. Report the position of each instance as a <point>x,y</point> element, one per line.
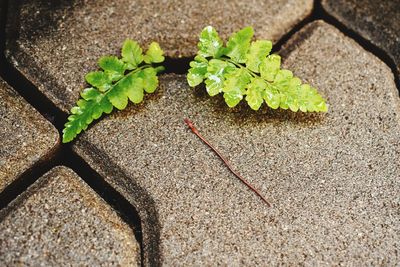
<point>12,75</point>
<point>30,176</point>
<point>319,13</point>
<point>48,195</point>
<point>17,192</point>
<point>147,212</point>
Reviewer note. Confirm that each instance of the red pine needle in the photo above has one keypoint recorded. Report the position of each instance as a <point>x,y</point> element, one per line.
<point>196,132</point>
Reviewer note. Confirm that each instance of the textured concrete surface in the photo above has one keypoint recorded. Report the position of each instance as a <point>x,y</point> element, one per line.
<point>333,179</point>
<point>56,43</point>
<point>376,21</point>
<point>26,137</point>
<point>60,221</point>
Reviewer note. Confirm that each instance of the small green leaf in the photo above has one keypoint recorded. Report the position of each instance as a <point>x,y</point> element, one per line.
<point>282,82</point>
<point>321,106</point>
<point>195,76</point>
<point>270,66</point>
<point>112,63</point>
<point>197,71</point>
<point>210,44</point>
<point>113,67</point>
<point>215,75</point>
<point>235,86</point>
<point>283,78</point>
<point>98,79</point>
<point>69,132</point>
<point>90,94</point>
<point>303,97</point>
<point>289,95</point>
<point>232,99</point>
<point>255,93</point>
<point>149,78</point>
<point>310,100</point>
<point>199,58</point>
<point>258,52</point>
<point>154,54</point>
<point>238,44</point>
<point>134,88</point>
<point>131,54</point>
<point>272,96</point>
<point>118,97</point>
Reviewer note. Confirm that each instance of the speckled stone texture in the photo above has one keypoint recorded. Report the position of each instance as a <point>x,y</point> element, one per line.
<point>376,21</point>
<point>55,46</point>
<point>61,221</point>
<point>26,137</point>
<point>333,179</point>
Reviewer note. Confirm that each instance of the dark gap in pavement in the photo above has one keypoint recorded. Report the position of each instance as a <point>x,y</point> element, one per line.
<point>177,65</point>
<point>29,93</point>
<point>278,45</point>
<point>65,157</point>
<point>28,177</point>
<point>22,85</point>
<point>319,13</point>
<point>3,20</point>
<point>113,198</point>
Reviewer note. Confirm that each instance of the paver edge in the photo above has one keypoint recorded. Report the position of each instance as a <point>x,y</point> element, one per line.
<point>32,189</point>
<point>12,52</point>
<point>148,214</point>
<point>50,152</point>
<point>44,180</point>
<point>326,6</point>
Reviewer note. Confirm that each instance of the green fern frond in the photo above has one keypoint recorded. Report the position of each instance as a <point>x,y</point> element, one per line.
<point>120,80</point>
<point>246,69</point>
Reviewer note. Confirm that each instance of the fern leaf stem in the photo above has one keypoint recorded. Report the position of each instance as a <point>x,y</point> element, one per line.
<point>255,75</point>
<point>130,73</point>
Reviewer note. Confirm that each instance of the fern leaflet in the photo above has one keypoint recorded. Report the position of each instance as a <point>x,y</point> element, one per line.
<point>245,69</point>
<point>120,80</point>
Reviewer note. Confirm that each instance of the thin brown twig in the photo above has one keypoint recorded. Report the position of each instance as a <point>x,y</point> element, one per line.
<point>196,132</point>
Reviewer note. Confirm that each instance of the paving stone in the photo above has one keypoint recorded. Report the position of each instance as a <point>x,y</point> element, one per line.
<point>61,221</point>
<point>376,21</point>
<point>26,137</point>
<point>57,43</point>
<point>333,179</point>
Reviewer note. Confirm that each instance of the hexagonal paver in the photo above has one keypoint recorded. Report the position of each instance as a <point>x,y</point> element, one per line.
<point>61,221</point>
<point>26,137</point>
<point>56,43</point>
<point>376,21</point>
<point>333,179</point>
